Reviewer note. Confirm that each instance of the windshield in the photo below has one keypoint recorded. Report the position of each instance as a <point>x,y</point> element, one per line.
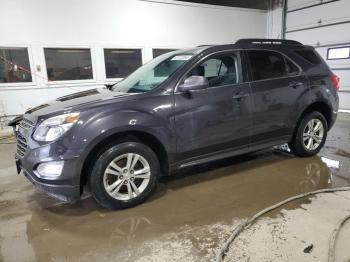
<point>152,74</point>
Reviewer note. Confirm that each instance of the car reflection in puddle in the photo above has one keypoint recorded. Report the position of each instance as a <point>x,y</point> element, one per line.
<point>203,195</point>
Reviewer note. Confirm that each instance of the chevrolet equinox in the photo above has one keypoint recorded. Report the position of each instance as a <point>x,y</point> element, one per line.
<point>181,109</point>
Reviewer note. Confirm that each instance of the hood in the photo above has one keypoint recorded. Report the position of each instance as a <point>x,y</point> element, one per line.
<point>75,101</point>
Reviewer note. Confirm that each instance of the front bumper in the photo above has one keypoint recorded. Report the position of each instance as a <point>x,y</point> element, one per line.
<point>67,193</point>
<point>30,154</point>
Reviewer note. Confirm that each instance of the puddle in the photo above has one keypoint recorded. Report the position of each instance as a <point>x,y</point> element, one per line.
<point>186,210</point>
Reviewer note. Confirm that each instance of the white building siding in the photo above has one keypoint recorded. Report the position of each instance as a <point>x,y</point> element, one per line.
<point>109,24</point>
<point>323,25</point>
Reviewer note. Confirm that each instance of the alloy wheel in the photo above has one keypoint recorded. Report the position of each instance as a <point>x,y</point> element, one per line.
<point>126,176</point>
<point>313,134</point>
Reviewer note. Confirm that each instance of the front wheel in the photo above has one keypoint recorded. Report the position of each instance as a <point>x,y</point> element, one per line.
<point>310,135</point>
<point>124,175</point>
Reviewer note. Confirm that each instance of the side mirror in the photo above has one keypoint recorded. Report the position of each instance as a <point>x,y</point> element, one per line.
<point>194,83</point>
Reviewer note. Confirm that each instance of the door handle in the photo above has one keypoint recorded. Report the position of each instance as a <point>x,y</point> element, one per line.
<point>240,96</point>
<point>295,84</point>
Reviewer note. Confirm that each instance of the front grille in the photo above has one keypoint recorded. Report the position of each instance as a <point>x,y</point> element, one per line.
<point>22,146</point>
<point>26,124</point>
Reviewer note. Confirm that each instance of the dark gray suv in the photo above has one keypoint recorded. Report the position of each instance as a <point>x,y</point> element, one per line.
<point>181,109</point>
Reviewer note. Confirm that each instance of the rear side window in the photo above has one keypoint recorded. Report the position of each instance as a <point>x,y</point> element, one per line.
<point>309,56</point>
<point>266,65</point>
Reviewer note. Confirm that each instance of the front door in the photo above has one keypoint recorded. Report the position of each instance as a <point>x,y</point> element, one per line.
<point>216,118</point>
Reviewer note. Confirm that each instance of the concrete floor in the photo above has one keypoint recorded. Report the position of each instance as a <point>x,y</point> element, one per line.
<point>188,218</point>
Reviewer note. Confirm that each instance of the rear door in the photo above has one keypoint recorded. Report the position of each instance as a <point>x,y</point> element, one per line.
<point>277,84</point>
<point>216,118</point>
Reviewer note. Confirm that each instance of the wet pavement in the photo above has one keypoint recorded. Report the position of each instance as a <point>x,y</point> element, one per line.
<point>187,219</point>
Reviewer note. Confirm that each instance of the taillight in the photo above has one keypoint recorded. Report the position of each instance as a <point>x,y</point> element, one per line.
<point>335,81</point>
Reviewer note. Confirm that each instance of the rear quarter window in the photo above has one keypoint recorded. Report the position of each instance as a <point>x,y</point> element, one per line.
<point>309,56</point>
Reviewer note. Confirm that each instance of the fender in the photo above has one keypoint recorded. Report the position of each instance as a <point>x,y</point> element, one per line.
<point>109,123</point>
<point>303,99</point>
<point>322,95</point>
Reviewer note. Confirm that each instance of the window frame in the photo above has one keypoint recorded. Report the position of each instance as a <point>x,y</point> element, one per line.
<point>60,83</point>
<point>339,47</point>
<point>31,65</point>
<point>104,71</point>
<point>251,80</point>
<point>237,52</point>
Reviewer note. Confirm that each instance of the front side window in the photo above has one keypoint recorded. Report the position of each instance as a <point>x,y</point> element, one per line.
<point>68,64</point>
<point>120,63</point>
<point>14,65</point>
<point>219,70</point>
<point>266,65</point>
<point>154,73</point>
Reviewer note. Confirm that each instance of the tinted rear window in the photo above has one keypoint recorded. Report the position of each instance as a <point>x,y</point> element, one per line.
<point>310,56</point>
<point>266,64</point>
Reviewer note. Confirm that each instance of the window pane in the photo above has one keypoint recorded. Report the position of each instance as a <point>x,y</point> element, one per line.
<point>219,71</point>
<point>212,67</point>
<point>14,65</point>
<point>120,63</point>
<point>158,52</point>
<point>309,56</point>
<point>266,64</point>
<point>68,64</point>
<point>338,53</point>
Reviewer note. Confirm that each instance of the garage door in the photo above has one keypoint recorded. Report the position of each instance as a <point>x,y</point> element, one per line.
<point>325,25</point>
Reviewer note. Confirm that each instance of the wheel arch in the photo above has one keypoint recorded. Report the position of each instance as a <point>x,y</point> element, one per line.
<point>136,136</point>
<point>321,107</point>
<point>295,144</point>
<point>318,106</point>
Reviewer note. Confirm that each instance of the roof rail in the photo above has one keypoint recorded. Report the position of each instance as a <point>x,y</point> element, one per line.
<point>265,41</point>
<point>203,45</point>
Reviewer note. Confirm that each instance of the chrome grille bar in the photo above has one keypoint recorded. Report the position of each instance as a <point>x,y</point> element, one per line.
<point>21,140</point>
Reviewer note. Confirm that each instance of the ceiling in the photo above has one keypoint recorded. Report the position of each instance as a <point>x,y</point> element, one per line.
<point>257,4</point>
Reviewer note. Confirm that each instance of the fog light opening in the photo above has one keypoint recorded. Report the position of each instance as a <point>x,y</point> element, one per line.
<point>50,170</point>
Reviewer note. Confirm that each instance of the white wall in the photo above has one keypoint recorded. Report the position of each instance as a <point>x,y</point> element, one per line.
<point>110,23</point>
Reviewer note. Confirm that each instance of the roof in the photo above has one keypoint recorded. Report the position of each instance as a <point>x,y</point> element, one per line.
<point>246,43</point>
<point>256,43</point>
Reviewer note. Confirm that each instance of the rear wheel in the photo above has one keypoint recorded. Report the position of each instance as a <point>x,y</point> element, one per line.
<point>310,135</point>
<point>124,175</point>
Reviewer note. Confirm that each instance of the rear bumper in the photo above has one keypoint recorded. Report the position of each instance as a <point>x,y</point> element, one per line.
<point>63,192</point>
<point>333,119</point>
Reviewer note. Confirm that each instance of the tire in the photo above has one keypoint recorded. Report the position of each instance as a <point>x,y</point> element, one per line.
<point>110,183</point>
<point>303,131</point>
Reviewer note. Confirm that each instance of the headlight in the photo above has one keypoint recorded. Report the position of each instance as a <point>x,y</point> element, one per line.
<point>54,127</point>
